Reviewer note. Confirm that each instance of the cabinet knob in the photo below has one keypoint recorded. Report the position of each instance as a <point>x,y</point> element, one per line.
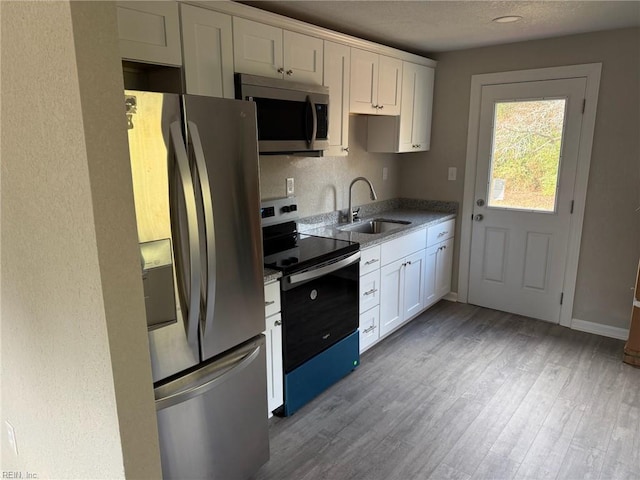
<point>289,72</point>
<point>345,149</point>
<point>374,106</point>
<point>281,70</point>
<point>381,107</point>
<point>277,323</point>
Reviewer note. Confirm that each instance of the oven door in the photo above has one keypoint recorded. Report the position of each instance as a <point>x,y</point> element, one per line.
<point>319,308</point>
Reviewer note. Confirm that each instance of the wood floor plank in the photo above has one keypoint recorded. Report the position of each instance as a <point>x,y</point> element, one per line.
<point>466,392</point>
<point>582,463</point>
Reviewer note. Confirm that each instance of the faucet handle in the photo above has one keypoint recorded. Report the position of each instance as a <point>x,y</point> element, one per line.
<point>356,212</point>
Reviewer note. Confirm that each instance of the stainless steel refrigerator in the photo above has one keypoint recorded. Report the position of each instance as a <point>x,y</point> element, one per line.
<point>194,163</point>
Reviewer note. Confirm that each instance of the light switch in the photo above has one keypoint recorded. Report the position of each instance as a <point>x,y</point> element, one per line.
<point>453,172</point>
<point>290,187</point>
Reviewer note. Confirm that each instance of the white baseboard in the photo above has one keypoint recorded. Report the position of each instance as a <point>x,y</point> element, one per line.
<point>600,329</point>
<point>451,296</point>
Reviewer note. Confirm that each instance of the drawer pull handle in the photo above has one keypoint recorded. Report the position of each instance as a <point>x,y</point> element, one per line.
<point>372,261</point>
<point>442,234</point>
<point>269,303</point>
<point>370,329</point>
<point>371,292</point>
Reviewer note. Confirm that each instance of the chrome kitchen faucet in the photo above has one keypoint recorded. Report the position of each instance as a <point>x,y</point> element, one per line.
<point>352,215</point>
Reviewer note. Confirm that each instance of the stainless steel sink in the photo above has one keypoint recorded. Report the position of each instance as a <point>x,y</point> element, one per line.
<point>377,225</point>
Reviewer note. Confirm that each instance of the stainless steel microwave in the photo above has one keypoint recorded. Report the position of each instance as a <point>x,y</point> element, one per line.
<point>293,118</point>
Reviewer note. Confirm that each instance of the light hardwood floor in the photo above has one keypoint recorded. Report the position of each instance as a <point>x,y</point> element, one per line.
<point>466,392</point>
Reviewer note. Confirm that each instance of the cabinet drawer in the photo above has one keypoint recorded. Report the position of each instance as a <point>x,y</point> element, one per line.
<point>271,298</point>
<point>369,260</point>
<point>369,290</point>
<point>369,328</point>
<point>401,247</point>
<point>440,232</point>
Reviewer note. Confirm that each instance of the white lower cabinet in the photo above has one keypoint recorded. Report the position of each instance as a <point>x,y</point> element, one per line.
<point>273,334</point>
<point>369,327</point>
<point>438,262</point>
<point>400,278</point>
<point>402,285</point>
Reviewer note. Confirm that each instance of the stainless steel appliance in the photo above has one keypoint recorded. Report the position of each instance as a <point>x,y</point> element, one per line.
<point>319,300</point>
<point>293,117</point>
<point>194,162</point>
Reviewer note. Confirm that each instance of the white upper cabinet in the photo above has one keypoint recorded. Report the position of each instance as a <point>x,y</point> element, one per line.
<point>411,131</point>
<point>149,32</point>
<point>303,58</point>
<point>417,107</point>
<point>337,67</point>
<point>376,82</point>
<point>207,42</point>
<point>268,51</point>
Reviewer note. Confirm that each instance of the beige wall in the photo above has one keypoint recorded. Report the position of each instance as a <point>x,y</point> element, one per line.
<point>322,184</point>
<point>75,368</point>
<point>611,233</point>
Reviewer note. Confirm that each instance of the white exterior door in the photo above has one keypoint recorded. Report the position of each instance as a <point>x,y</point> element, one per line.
<point>528,145</point>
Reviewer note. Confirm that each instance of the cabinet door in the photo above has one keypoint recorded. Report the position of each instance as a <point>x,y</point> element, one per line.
<point>413,294</point>
<point>417,101</point>
<point>364,82</point>
<point>303,58</point>
<point>369,290</point>
<point>423,107</point>
<point>430,276</point>
<point>257,48</point>
<point>337,68</point>
<point>444,263</point>
<point>391,296</point>
<point>369,328</point>
<point>275,390</point>
<point>389,85</point>
<point>207,39</point>
<point>149,32</point>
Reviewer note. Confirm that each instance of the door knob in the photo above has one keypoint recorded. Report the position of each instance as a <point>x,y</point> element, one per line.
<point>480,202</point>
<point>478,217</point>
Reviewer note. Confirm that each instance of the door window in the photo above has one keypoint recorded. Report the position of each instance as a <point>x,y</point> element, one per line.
<point>525,155</point>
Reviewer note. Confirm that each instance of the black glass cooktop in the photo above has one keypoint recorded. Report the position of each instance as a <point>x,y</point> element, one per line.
<point>298,251</point>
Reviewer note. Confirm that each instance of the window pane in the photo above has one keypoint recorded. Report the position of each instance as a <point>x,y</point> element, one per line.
<point>525,157</point>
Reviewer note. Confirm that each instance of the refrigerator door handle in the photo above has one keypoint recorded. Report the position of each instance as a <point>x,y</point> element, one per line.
<point>191,298</point>
<point>201,381</point>
<point>205,189</point>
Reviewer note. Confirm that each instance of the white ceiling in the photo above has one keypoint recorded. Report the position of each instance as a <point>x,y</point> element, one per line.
<point>430,26</point>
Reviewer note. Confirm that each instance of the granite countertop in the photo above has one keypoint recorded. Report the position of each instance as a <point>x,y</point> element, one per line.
<point>270,275</point>
<point>421,213</point>
<point>418,218</point>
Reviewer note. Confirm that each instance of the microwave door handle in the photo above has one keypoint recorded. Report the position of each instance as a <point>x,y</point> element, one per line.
<point>205,190</point>
<point>314,124</point>
<point>190,300</point>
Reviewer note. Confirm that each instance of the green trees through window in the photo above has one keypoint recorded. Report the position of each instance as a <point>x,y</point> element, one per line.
<point>525,160</point>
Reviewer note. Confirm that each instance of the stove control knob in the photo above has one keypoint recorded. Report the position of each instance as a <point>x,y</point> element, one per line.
<point>293,207</point>
<point>286,209</point>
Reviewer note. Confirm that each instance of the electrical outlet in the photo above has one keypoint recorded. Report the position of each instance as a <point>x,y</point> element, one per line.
<point>290,188</point>
<point>11,437</point>
<point>453,173</point>
<point>385,173</point>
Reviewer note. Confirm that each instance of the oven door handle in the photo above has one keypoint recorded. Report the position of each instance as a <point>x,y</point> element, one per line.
<point>323,270</point>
